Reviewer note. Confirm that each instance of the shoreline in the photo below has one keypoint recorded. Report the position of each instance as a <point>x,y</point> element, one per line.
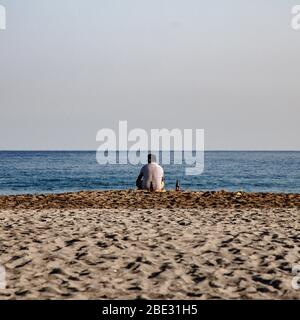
<point>122,199</point>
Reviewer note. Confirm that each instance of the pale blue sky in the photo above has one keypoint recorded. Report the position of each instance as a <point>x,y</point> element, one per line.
<point>69,68</point>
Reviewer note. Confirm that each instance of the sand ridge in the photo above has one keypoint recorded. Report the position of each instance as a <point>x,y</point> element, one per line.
<point>125,199</point>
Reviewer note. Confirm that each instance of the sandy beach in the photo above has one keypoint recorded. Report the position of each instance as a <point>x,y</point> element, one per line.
<point>132,244</point>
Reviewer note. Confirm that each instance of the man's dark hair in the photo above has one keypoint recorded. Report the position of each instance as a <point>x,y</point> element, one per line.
<point>151,158</point>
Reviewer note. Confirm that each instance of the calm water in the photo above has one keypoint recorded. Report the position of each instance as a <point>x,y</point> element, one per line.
<point>45,172</point>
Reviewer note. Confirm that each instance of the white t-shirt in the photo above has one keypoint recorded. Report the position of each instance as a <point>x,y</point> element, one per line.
<point>152,172</point>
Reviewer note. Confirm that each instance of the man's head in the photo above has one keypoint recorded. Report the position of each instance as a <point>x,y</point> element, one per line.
<point>151,158</point>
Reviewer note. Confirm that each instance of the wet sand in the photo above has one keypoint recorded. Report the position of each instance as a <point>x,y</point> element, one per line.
<point>129,244</point>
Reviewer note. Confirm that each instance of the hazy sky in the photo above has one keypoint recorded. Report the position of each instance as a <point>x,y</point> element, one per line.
<point>69,68</point>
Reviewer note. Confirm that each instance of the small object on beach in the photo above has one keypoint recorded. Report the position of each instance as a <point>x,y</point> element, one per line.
<point>238,194</point>
<point>177,188</point>
<point>151,187</point>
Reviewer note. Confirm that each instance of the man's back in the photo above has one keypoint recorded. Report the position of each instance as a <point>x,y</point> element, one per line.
<point>154,173</point>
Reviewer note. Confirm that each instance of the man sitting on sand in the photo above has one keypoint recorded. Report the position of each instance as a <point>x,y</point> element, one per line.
<point>151,176</point>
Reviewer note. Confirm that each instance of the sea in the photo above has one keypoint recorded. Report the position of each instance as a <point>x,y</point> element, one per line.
<point>41,172</point>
